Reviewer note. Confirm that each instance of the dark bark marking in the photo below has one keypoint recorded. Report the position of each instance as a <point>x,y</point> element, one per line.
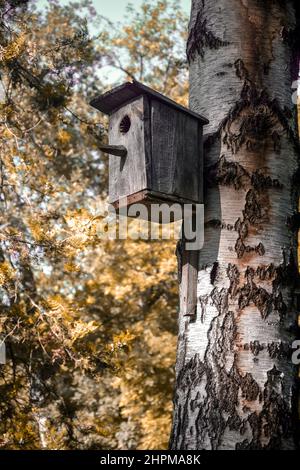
<point>266,272</point>
<point>218,224</point>
<point>275,413</point>
<point>221,74</point>
<point>241,248</point>
<point>254,346</point>
<point>214,223</point>
<point>279,350</point>
<point>276,350</point>
<point>201,37</point>
<point>220,299</point>
<point>263,301</point>
<point>253,214</point>
<point>240,70</point>
<point>258,116</point>
<point>222,389</point>
<point>258,296</point>
<point>214,272</point>
<point>261,182</point>
<point>249,387</point>
<point>234,277</point>
<point>252,211</point>
<point>227,173</point>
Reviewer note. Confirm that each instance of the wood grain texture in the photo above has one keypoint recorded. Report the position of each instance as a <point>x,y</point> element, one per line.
<point>175,165</point>
<point>188,287</point>
<point>127,175</point>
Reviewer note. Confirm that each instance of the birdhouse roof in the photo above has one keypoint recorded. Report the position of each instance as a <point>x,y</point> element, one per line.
<point>119,96</point>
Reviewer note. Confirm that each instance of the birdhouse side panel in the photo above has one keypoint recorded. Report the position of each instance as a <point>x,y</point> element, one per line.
<point>176,157</point>
<point>127,175</point>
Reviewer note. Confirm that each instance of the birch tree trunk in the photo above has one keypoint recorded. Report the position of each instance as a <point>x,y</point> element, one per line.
<point>236,384</point>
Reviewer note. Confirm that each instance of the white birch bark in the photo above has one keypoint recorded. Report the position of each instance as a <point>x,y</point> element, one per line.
<point>235,380</point>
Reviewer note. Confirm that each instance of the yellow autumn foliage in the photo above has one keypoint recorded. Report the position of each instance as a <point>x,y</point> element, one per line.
<point>63,136</point>
<point>7,273</point>
<point>90,321</point>
<point>13,49</point>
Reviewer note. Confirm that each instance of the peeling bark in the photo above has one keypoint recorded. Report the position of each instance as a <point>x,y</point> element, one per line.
<point>236,384</point>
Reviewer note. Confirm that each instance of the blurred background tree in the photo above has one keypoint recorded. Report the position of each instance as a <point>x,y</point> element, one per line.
<point>89,323</point>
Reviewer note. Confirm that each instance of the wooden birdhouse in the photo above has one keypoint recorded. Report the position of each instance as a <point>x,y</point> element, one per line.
<point>155,147</point>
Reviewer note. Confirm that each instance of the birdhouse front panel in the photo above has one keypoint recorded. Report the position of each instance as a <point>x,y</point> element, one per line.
<point>127,175</point>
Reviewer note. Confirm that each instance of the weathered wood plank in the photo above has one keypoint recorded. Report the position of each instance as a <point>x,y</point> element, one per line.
<point>175,152</point>
<point>128,175</point>
<point>188,287</point>
<point>188,275</point>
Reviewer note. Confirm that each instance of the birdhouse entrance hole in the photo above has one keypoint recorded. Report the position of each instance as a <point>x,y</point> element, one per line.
<point>125,124</point>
